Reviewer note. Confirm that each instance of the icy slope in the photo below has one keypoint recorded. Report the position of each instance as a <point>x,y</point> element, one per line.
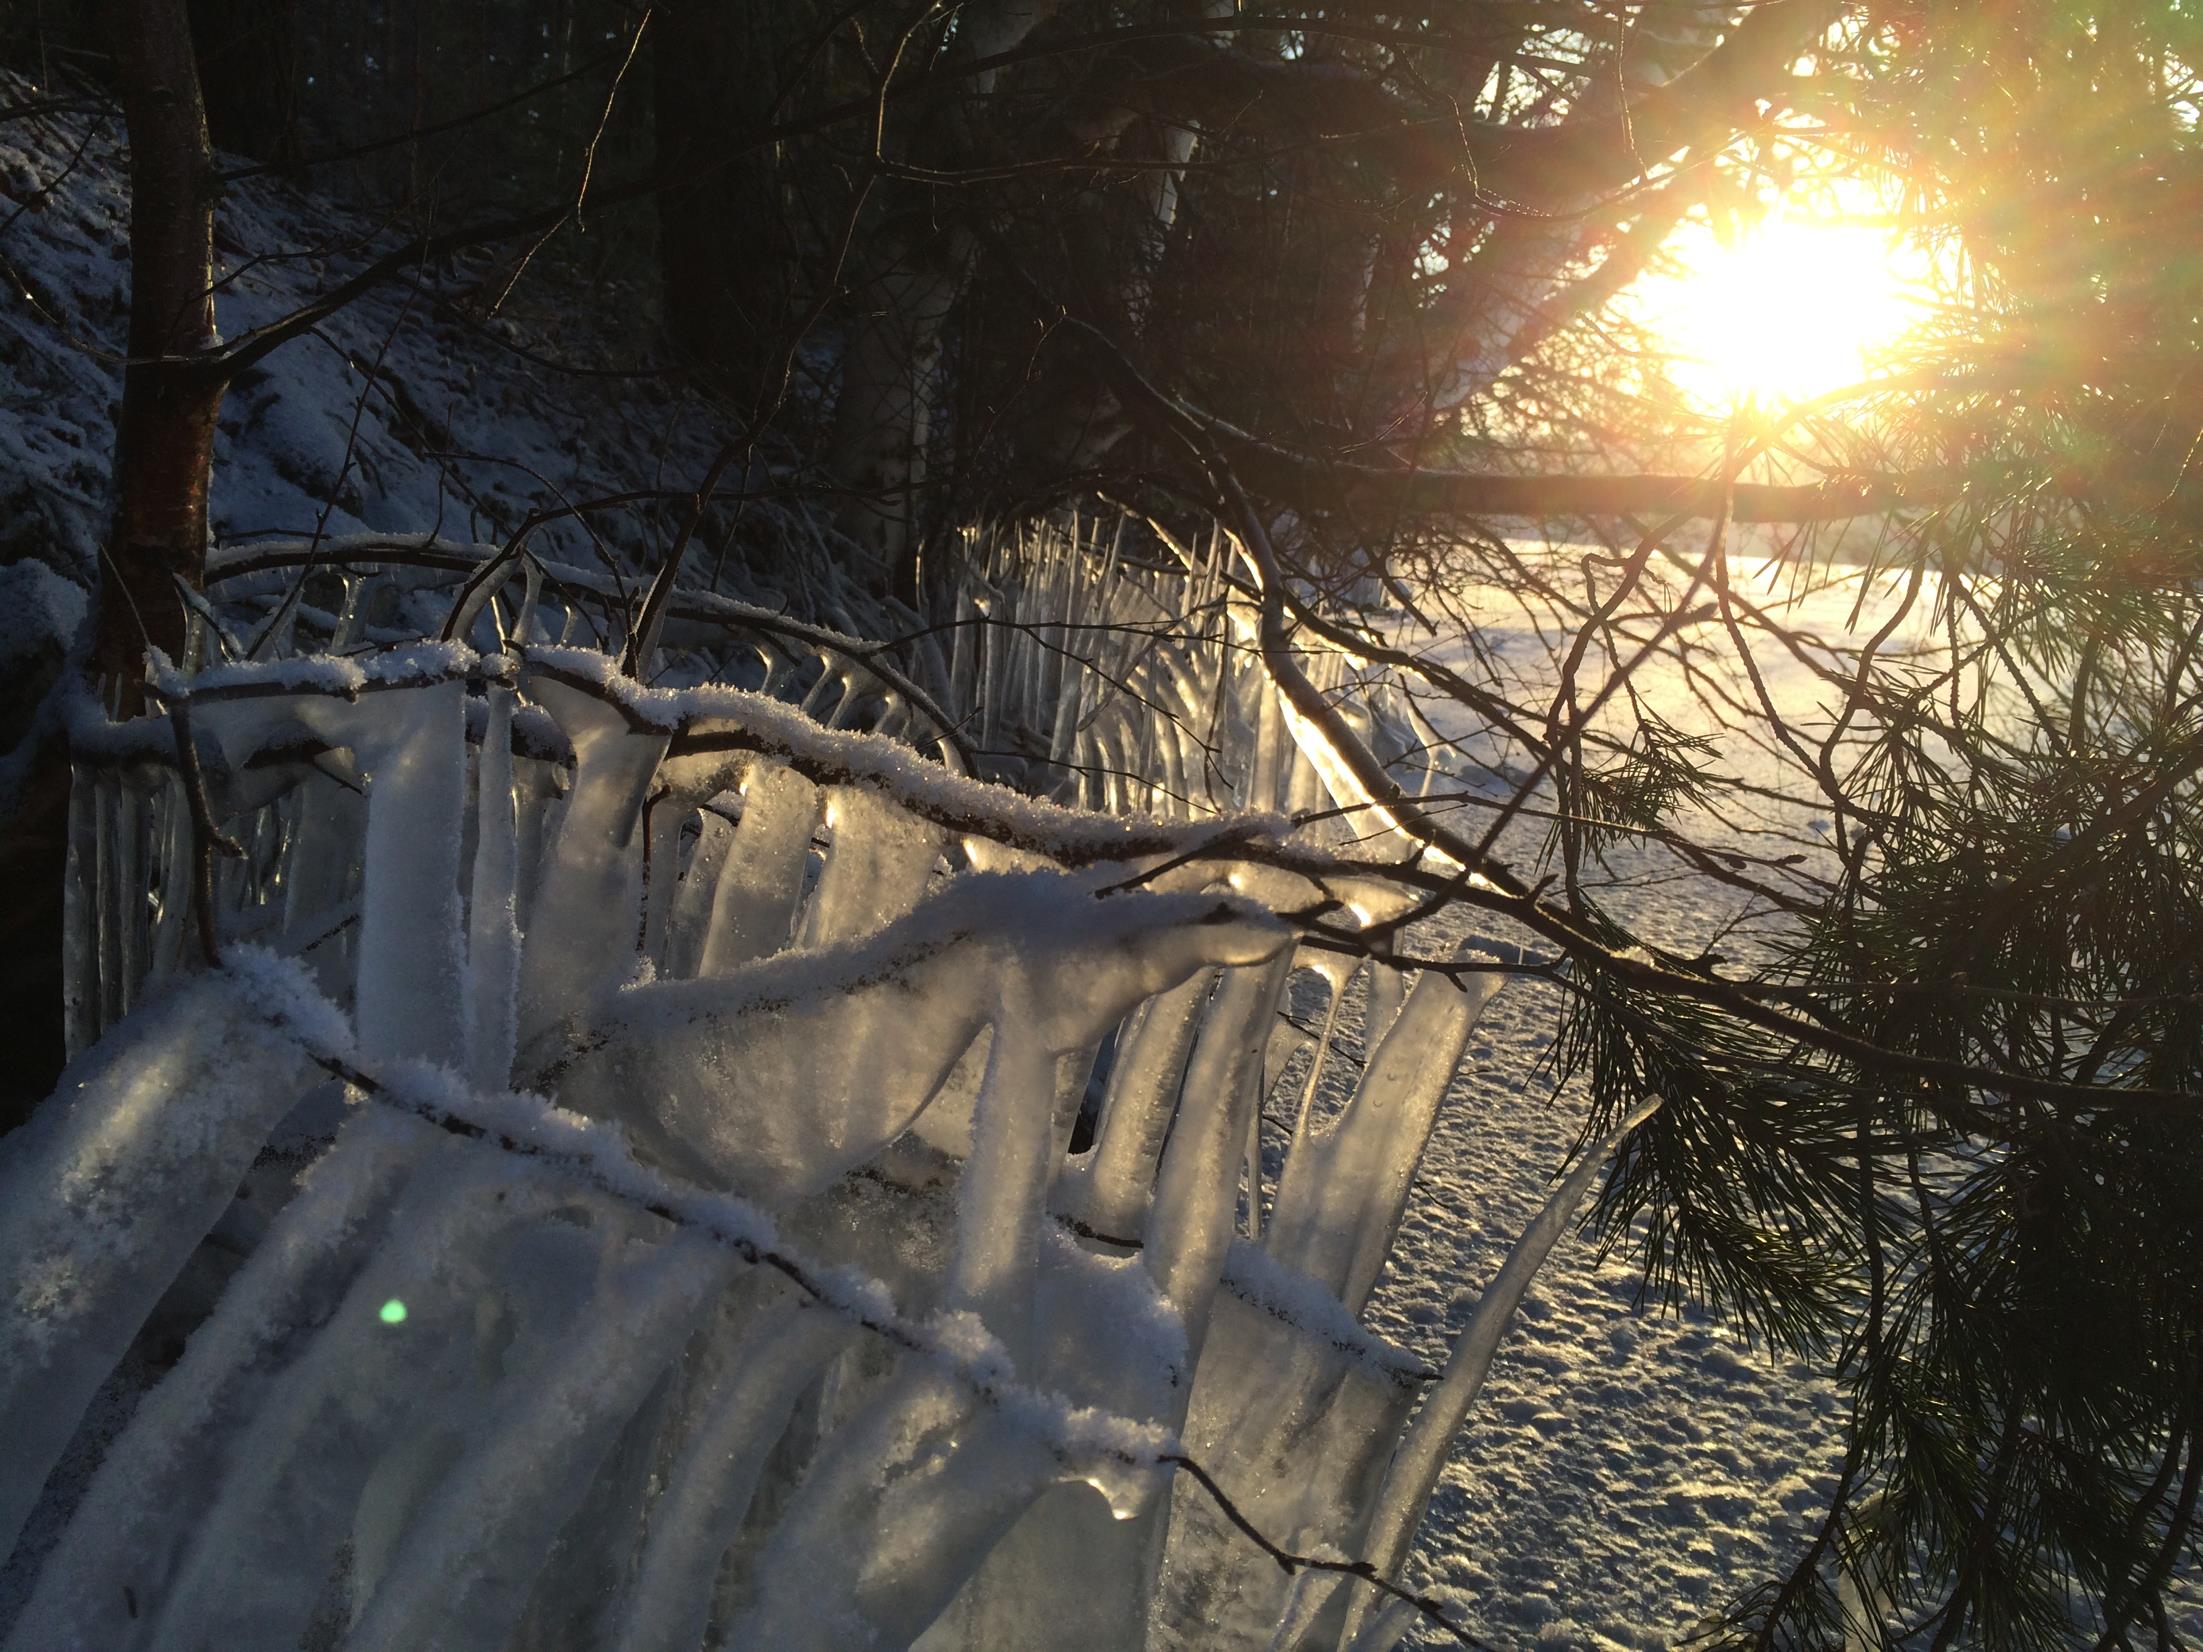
<point>404,411</point>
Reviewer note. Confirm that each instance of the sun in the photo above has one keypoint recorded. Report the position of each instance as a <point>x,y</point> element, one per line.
<point>1784,312</point>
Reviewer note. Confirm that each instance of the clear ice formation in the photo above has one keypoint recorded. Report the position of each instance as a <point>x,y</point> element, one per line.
<point>985,1070</point>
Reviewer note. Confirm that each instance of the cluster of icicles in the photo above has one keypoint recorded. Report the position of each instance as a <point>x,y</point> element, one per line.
<point>981,1077</point>
<point>1112,682</point>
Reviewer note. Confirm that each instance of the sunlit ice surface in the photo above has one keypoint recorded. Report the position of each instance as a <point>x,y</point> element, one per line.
<point>1782,312</point>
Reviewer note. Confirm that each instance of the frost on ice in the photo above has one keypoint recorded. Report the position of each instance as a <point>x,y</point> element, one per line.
<point>760,1186</point>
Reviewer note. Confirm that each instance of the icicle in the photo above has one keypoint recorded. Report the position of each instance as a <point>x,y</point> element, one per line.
<point>1190,1226</point>
<point>1183,782</point>
<point>1421,1457</point>
<point>1385,1628</point>
<point>877,867</point>
<point>322,874</point>
<point>1069,1538</point>
<point>395,1368</point>
<point>107,895</point>
<point>461,1575</point>
<point>1266,770</point>
<point>1251,1173</point>
<point>1297,1408</point>
<point>105,1193</point>
<point>1311,1594</point>
<point>159,1478</point>
<point>411,742</point>
<point>829,690</point>
<point>757,894</point>
<point>1110,1193</point>
<point>81,917</point>
<point>128,916</point>
<point>692,898</point>
<point>667,1607</point>
<point>789,1072</point>
<point>664,816</point>
<point>964,651</point>
<point>1345,1187</point>
<point>582,933</point>
<point>469,1449</point>
<point>903,1505</point>
<point>945,1123</point>
<point>493,935</point>
<point>1384,989</point>
<point>1058,678</point>
<point>1336,971</point>
<point>998,1207</point>
<point>1070,702</point>
<point>989,606</point>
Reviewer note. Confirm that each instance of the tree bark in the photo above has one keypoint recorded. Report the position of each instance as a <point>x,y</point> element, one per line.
<point>1320,483</point>
<point>164,442</point>
<point>884,415</point>
<point>892,348</point>
<point>164,451</point>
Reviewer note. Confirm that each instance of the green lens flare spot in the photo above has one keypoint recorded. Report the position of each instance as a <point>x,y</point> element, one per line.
<point>393,1312</point>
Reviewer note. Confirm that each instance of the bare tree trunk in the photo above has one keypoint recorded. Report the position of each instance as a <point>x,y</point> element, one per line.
<point>164,443</point>
<point>1079,420</point>
<point>892,350</point>
<point>164,451</point>
<point>883,417</point>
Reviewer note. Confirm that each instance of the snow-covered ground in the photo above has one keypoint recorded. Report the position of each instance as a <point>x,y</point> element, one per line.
<point>1626,1473</point>
<point>1629,1471</point>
